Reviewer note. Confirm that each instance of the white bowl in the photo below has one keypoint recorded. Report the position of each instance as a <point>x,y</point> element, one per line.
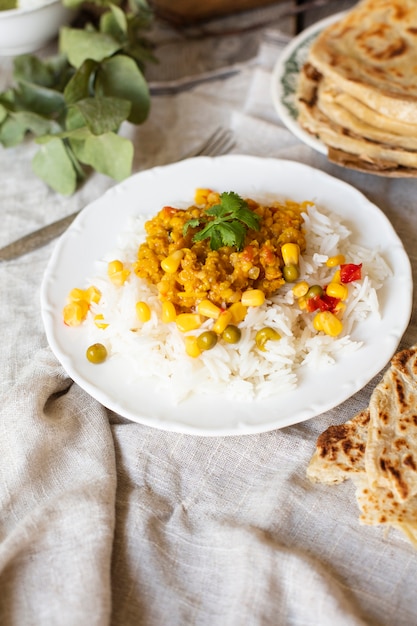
<point>28,29</point>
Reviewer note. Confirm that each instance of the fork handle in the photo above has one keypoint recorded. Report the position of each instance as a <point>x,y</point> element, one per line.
<point>37,239</point>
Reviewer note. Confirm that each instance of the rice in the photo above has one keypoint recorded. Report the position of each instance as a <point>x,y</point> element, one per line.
<point>241,370</point>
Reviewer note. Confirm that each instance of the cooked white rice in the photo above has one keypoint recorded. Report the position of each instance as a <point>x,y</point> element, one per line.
<point>241,370</point>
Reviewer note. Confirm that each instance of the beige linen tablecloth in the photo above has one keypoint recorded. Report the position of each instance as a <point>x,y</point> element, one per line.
<point>107,522</point>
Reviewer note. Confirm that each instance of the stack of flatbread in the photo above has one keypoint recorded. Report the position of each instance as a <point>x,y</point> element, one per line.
<point>377,450</point>
<point>357,91</point>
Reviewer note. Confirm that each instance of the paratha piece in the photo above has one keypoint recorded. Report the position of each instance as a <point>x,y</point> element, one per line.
<point>340,451</point>
<point>367,115</point>
<point>346,146</point>
<point>377,450</point>
<point>330,104</point>
<point>376,167</point>
<point>391,449</point>
<point>379,505</point>
<point>371,54</point>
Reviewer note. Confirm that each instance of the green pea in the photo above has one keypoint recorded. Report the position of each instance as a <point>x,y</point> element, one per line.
<point>231,334</point>
<point>97,353</point>
<point>207,340</point>
<point>266,334</point>
<point>315,290</point>
<point>291,273</point>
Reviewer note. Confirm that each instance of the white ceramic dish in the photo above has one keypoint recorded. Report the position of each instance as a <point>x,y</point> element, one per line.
<point>285,79</point>
<point>95,231</point>
<point>28,29</point>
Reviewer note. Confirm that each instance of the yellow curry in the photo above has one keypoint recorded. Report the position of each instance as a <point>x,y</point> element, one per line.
<point>187,272</point>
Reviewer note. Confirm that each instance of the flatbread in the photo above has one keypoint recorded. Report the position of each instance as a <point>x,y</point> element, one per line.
<point>377,450</point>
<point>391,449</point>
<point>330,103</point>
<point>369,116</point>
<point>376,167</point>
<point>371,54</point>
<point>364,153</point>
<point>340,451</point>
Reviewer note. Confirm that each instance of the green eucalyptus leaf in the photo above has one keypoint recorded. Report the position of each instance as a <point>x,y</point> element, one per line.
<point>7,5</point>
<point>79,87</point>
<point>36,124</point>
<point>114,23</point>
<point>140,53</point>
<point>74,119</point>
<point>54,165</point>
<point>7,98</point>
<point>3,113</point>
<point>140,10</point>
<point>11,132</point>
<point>31,69</point>
<point>103,114</point>
<point>109,154</point>
<point>72,4</point>
<point>80,45</point>
<point>80,134</point>
<point>120,77</point>
<point>41,100</point>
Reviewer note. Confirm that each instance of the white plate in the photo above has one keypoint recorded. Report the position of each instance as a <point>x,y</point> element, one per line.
<point>285,79</point>
<point>95,231</point>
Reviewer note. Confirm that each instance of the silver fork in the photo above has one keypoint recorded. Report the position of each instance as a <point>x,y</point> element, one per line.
<point>219,142</point>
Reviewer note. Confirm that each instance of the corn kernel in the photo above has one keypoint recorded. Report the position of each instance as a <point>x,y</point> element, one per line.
<point>200,195</point>
<point>333,261</point>
<point>191,346</point>
<point>253,297</point>
<point>77,294</point>
<point>290,253</point>
<point>336,277</point>
<point>113,267</point>
<point>327,322</point>
<point>230,295</point>
<point>339,308</point>
<point>208,309</point>
<point>119,278</point>
<point>337,290</point>
<point>117,272</point>
<point>169,312</point>
<point>143,311</point>
<point>300,289</point>
<point>93,295</point>
<point>213,198</point>
<point>238,311</point>
<point>74,313</point>
<point>302,303</point>
<point>188,321</point>
<point>222,321</point>
<point>172,262</point>
<point>99,321</point>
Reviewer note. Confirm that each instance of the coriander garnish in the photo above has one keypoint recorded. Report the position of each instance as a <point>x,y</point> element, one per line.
<point>230,223</point>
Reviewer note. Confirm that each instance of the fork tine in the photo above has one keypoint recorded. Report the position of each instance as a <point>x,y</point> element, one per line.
<point>219,142</point>
<point>222,142</point>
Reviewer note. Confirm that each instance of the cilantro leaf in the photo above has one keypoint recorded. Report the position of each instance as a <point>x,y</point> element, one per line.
<point>229,224</point>
<point>191,224</point>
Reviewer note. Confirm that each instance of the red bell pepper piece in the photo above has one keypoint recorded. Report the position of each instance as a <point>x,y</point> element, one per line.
<point>350,272</point>
<point>321,303</point>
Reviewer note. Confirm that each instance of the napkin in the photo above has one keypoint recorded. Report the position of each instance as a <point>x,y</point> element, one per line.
<point>105,521</point>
